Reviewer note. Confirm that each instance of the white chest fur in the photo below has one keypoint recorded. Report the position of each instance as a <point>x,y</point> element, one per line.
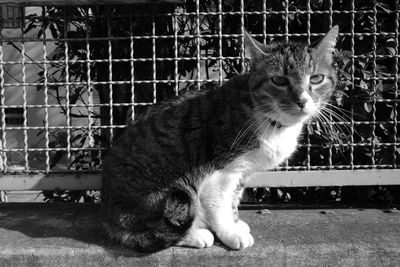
<point>275,146</point>
<point>278,145</point>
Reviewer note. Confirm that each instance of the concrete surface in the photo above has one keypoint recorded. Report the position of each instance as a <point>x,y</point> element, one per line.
<point>71,235</point>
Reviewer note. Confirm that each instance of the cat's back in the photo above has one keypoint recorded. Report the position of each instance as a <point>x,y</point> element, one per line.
<point>183,133</point>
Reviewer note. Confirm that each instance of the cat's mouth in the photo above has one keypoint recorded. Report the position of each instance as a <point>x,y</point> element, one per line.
<point>288,119</point>
<point>279,117</point>
<point>302,113</point>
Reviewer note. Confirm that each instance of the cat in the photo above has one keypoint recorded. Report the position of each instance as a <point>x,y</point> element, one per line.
<point>176,175</point>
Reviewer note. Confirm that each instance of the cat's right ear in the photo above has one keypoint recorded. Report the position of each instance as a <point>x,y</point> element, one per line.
<point>253,48</point>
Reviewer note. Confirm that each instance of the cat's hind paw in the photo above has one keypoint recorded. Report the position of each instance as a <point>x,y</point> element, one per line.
<point>197,238</point>
<point>238,239</point>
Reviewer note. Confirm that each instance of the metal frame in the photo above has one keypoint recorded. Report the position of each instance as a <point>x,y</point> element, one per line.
<point>89,181</point>
<point>45,177</point>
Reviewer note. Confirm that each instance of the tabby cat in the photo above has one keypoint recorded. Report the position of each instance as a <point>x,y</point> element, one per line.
<point>176,175</point>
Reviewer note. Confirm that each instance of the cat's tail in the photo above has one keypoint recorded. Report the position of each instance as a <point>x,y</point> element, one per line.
<point>161,230</point>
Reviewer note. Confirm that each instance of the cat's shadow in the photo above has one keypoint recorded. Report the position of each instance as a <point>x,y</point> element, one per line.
<point>66,225</point>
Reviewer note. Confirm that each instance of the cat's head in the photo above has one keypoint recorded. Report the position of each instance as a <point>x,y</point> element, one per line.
<point>290,82</point>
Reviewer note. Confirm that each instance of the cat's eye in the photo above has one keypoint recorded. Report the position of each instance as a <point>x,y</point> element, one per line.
<point>317,78</point>
<point>280,80</point>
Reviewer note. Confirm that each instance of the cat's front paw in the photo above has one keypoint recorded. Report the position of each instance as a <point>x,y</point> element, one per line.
<point>197,238</point>
<point>237,238</point>
<point>243,226</point>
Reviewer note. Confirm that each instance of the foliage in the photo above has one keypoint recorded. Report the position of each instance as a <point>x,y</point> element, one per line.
<point>71,196</point>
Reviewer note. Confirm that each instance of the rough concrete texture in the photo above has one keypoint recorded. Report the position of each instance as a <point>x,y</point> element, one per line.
<point>71,235</point>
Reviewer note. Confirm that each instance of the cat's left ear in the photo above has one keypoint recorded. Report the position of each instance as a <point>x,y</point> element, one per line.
<point>326,46</point>
<point>253,48</point>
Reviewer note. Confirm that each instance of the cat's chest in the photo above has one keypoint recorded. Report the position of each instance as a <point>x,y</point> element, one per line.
<point>273,150</point>
<point>280,145</point>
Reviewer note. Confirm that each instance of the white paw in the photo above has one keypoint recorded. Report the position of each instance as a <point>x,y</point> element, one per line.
<point>243,226</point>
<point>197,238</point>
<point>237,237</point>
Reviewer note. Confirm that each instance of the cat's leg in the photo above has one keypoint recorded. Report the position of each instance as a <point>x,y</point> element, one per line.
<point>235,235</point>
<point>217,193</point>
<point>197,236</point>
<point>236,201</point>
<point>243,226</point>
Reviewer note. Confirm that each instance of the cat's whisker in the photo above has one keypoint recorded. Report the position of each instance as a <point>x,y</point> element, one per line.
<point>264,122</point>
<point>273,117</point>
<point>346,113</point>
<point>338,111</point>
<point>331,129</point>
<point>347,127</point>
<point>339,108</point>
<point>258,119</point>
<point>247,127</point>
<point>341,117</point>
<point>327,125</point>
<point>327,121</point>
<point>323,118</point>
<point>252,122</point>
<point>330,112</point>
<point>268,123</point>
<point>339,130</point>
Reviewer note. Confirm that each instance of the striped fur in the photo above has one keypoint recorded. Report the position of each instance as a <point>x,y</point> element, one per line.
<point>176,175</point>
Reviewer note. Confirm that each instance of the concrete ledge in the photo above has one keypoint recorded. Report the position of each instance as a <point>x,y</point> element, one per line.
<point>71,235</point>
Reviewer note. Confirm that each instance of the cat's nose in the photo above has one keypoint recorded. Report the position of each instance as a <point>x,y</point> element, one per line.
<point>301,103</point>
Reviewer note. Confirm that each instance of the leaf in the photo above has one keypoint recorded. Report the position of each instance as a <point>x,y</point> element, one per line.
<point>316,3</point>
<point>376,140</point>
<point>383,127</point>
<point>53,30</point>
<point>264,212</point>
<point>310,128</point>
<point>391,50</point>
<point>367,107</point>
<point>327,212</point>
<point>362,64</point>
<point>30,27</point>
<point>76,137</point>
<point>363,85</point>
<point>39,33</point>
<point>346,75</point>
<point>391,210</point>
<point>379,86</point>
<point>383,70</point>
<point>83,140</point>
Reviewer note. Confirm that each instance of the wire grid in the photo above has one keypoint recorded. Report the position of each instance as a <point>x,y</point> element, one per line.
<point>82,74</point>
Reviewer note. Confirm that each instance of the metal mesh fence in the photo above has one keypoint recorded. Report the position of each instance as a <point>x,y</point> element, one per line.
<point>72,78</point>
